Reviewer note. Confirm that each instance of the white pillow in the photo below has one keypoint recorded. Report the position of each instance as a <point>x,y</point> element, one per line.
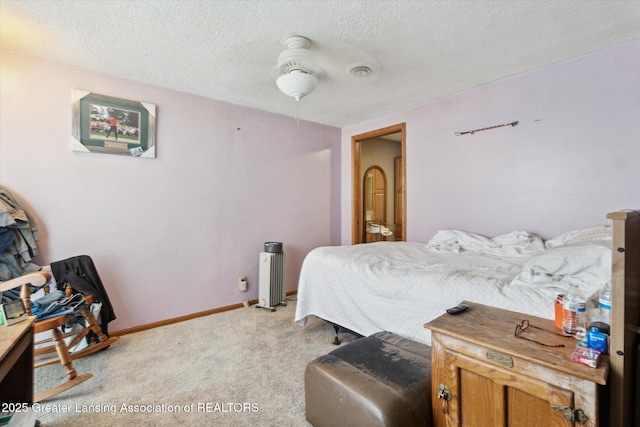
<point>589,234</point>
<point>586,265</point>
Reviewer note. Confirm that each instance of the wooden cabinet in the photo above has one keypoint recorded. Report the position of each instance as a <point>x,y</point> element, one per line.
<point>16,362</point>
<point>483,375</point>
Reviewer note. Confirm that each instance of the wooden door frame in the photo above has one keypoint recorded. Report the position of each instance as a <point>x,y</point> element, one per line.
<point>356,172</point>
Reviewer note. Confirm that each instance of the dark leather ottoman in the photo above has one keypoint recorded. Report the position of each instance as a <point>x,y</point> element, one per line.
<point>380,380</point>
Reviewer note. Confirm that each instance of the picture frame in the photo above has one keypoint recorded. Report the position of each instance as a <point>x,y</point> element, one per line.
<point>105,124</point>
<point>13,312</point>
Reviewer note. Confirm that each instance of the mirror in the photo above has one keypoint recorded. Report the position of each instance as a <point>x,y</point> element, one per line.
<point>375,204</point>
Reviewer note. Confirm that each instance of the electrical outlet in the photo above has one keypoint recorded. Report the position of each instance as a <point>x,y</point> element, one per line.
<point>242,284</point>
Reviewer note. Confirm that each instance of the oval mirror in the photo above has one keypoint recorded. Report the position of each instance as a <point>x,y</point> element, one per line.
<point>374,203</point>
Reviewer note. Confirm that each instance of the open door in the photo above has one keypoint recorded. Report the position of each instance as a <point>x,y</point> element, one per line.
<point>397,202</point>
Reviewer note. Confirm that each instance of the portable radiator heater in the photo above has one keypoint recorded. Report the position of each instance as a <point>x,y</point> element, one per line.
<point>271,277</point>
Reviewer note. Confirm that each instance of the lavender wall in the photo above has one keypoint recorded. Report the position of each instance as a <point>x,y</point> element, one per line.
<point>171,235</point>
<point>573,157</point>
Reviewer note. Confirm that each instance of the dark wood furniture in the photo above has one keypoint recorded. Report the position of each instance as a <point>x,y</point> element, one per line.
<point>625,318</point>
<point>16,362</point>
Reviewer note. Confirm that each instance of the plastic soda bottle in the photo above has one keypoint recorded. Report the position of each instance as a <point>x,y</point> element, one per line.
<point>574,314</point>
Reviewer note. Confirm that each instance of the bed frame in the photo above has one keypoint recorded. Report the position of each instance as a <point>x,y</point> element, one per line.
<point>624,374</point>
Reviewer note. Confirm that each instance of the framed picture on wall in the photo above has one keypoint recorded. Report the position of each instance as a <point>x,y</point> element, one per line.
<point>104,124</point>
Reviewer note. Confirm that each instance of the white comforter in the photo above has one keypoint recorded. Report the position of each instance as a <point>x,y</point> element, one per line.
<point>400,286</point>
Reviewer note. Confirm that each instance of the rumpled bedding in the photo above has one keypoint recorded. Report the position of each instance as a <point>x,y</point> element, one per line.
<point>584,268</point>
<point>400,286</point>
<point>514,243</point>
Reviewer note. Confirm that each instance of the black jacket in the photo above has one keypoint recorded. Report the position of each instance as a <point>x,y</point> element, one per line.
<point>81,274</point>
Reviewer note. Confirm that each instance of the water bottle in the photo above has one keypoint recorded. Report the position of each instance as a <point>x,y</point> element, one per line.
<point>574,314</point>
<point>604,301</point>
<point>601,317</point>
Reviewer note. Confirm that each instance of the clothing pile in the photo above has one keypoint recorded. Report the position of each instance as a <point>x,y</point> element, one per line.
<point>55,304</point>
<point>18,238</point>
<point>18,245</point>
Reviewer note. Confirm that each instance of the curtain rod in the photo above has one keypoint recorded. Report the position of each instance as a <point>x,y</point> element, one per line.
<point>490,127</point>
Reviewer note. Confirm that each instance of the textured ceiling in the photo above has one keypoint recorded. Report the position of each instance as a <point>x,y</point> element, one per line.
<point>226,50</point>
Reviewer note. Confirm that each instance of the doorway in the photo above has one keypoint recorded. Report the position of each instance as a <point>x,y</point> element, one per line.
<point>396,220</point>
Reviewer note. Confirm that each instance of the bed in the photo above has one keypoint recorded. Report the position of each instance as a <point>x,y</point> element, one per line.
<point>399,286</point>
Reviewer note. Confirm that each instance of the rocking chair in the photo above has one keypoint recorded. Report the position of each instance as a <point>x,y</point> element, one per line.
<point>54,324</point>
<point>91,333</point>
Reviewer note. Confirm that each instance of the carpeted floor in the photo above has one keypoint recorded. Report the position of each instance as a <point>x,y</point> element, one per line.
<point>244,367</point>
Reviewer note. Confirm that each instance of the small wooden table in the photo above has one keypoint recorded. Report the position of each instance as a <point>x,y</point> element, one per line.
<point>483,375</point>
<point>16,362</point>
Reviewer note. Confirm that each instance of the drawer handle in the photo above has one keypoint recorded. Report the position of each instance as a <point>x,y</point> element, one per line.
<point>571,414</point>
<point>445,394</point>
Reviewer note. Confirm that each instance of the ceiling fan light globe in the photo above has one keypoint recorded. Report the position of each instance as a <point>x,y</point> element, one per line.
<point>297,84</point>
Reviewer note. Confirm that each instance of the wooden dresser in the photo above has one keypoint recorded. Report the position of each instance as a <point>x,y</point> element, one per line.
<point>16,362</point>
<point>483,375</point>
